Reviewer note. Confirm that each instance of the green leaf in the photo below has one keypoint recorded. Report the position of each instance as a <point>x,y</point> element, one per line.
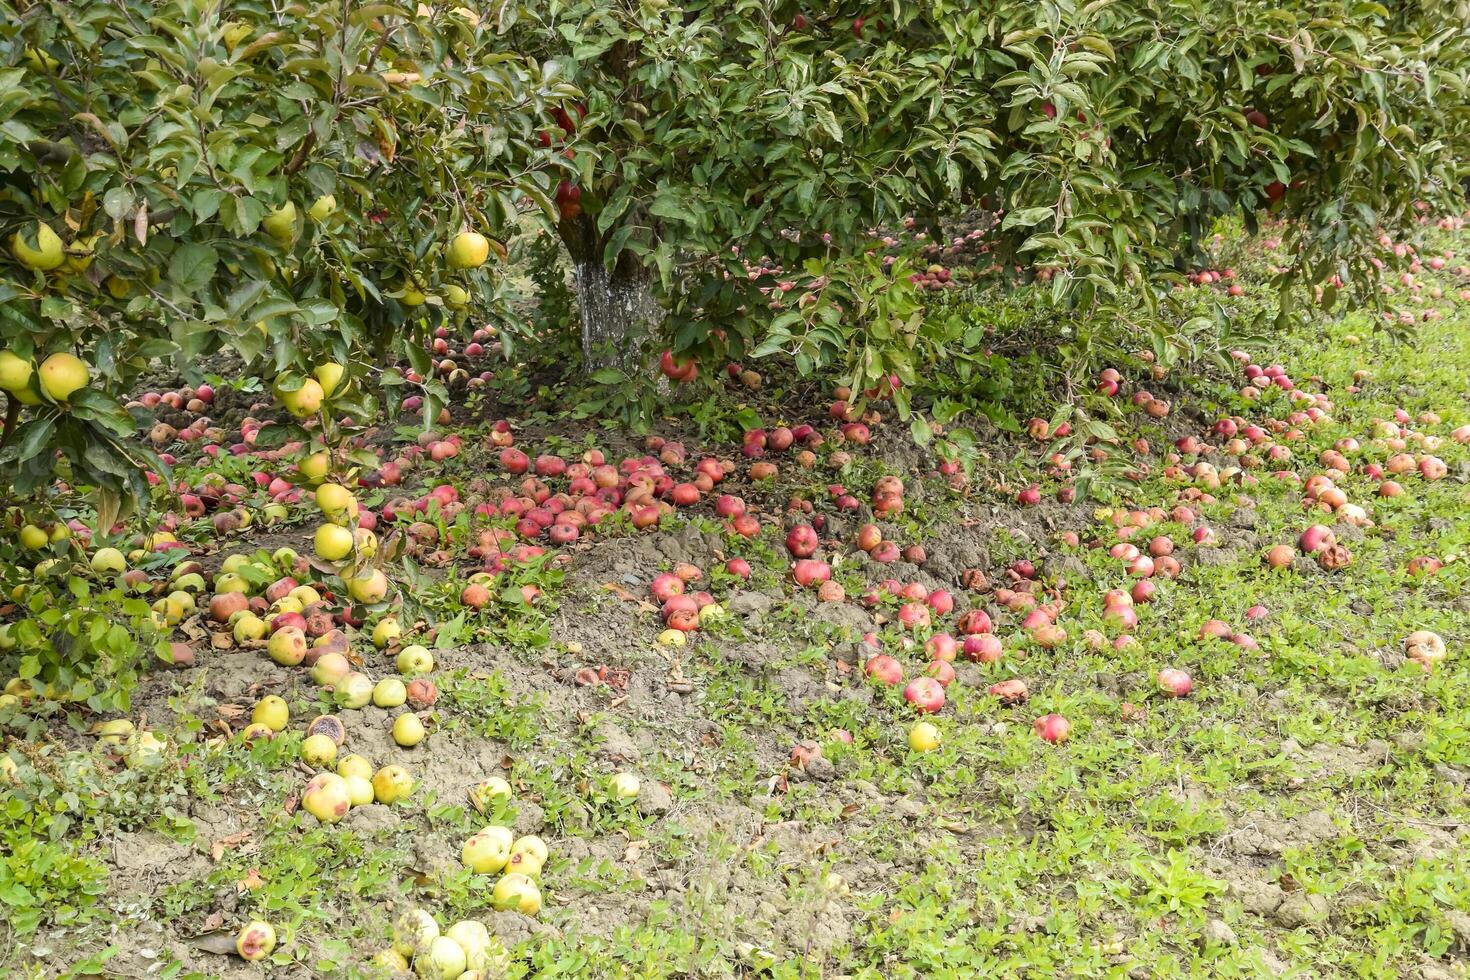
<point>191,267</point>
<point>1026,217</point>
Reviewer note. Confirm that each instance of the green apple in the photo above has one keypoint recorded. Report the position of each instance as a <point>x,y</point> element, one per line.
<point>280,224</point>
<point>390,692</point>
<point>322,208</point>
<point>488,851</point>
<point>408,731</point>
<point>318,751</point>
<point>415,659</point>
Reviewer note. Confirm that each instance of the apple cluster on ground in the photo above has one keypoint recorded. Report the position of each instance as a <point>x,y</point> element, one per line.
<point>798,509</point>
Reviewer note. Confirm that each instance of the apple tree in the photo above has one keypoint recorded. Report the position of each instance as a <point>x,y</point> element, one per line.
<point>743,148</point>
<point>311,187</point>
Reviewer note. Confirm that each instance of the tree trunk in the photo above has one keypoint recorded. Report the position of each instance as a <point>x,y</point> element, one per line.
<point>617,306</point>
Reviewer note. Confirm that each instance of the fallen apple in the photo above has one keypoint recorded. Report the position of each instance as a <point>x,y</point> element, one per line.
<point>255,941</point>
<point>408,731</point>
<point>516,892</point>
<point>442,959</point>
<point>391,784</point>
<point>488,851</point>
<point>924,737</point>
<point>272,712</point>
<point>413,932</point>
<point>484,795</point>
<point>326,797</point>
<point>390,692</point>
<point>1052,728</point>
<point>414,660</point>
<point>624,785</point>
<point>318,751</point>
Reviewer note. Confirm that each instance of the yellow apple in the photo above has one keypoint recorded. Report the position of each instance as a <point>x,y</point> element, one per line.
<point>333,499</point>
<point>33,538</point>
<point>390,692</point>
<point>314,467</point>
<point>369,588</point>
<point>332,542</point>
<point>255,941</point>
<point>272,712</point>
<point>414,659</point>
<point>280,224</point>
<point>468,250</point>
<point>924,737</point>
<point>517,892</point>
<point>329,376</point>
<point>392,783</point>
<point>304,401</point>
<point>109,561</point>
<point>359,790</point>
<point>354,765</point>
<point>484,795</point>
<point>385,632</point>
<point>15,372</point>
<point>442,960</point>
<point>413,932</point>
<point>47,253</point>
<point>318,751</point>
<point>408,731</point>
<point>62,375</point>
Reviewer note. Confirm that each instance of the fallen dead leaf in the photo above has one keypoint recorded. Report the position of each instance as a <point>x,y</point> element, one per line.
<point>643,604</point>
<point>218,848</point>
<point>219,943</point>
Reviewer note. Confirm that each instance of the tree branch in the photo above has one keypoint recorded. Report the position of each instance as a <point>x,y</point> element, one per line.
<point>12,416</point>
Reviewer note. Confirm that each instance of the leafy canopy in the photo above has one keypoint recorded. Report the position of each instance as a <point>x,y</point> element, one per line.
<point>275,181</point>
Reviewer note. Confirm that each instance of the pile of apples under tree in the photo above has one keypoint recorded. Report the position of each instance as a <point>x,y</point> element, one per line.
<point>306,613</point>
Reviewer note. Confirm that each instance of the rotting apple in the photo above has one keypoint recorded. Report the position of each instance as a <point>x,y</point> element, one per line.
<point>255,940</point>
<point>326,797</point>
